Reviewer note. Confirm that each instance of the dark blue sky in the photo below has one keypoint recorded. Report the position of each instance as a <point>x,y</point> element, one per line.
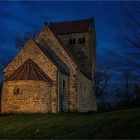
<point>17,17</point>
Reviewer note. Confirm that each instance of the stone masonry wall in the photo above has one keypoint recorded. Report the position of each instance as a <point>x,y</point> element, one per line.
<point>86,100</point>
<point>48,36</point>
<point>63,92</point>
<point>85,53</point>
<point>81,51</point>
<point>32,97</point>
<point>33,52</point>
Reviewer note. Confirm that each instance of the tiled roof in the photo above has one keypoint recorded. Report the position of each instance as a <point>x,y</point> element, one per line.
<point>53,57</point>
<point>70,26</point>
<point>29,70</point>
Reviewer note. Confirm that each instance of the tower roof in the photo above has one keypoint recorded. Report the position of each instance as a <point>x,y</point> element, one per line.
<point>67,27</point>
<point>29,70</point>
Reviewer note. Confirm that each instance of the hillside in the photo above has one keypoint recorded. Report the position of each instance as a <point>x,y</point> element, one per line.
<point>116,124</point>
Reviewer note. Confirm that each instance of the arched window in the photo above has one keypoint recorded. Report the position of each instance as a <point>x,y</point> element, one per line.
<point>64,84</point>
<point>72,41</point>
<point>16,91</point>
<point>82,40</point>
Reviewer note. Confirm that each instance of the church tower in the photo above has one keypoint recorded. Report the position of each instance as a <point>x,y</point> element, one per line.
<point>80,39</point>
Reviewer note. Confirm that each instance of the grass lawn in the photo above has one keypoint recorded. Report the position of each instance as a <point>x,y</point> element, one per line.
<point>115,124</point>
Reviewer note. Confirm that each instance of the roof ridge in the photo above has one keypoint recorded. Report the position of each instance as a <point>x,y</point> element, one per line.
<point>46,49</point>
<point>77,20</point>
<point>73,26</point>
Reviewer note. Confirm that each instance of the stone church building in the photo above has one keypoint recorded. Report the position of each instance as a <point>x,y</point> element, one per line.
<point>54,72</point>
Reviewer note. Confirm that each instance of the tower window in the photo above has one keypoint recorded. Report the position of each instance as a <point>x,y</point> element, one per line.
<point>71,41</point>
<point>82,40</point>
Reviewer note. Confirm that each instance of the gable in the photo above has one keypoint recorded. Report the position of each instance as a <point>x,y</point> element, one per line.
<point>32,51</point>
<point>57,46</point>
<point>45,48</point>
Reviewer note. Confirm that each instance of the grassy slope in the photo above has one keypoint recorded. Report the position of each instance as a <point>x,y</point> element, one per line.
<point>117,124</point>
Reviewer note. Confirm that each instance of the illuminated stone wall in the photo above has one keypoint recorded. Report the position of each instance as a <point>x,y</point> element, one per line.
<point>48,36</point>
<point>86,98</point>
<point>33,52</point>
<point>26,97</point>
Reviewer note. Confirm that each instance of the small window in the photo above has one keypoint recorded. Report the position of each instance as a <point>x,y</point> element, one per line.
<point>16,91</point>
<point>71,41</point>
<point>64,84</point>
<point>82,40</point>
<point>80,85</point>
<point>84,88</point>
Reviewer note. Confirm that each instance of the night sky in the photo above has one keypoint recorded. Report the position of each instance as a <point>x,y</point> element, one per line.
<point>17,17</point>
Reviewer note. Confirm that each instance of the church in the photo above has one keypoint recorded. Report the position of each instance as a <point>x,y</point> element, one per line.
<point>54,72</point>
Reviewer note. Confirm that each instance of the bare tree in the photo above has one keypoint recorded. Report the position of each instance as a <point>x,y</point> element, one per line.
<point>129,36</point>
<point>102,83</point>
<point>127,78</point>
<point>22,38</point>
<point>136,94</point>
<point>102,79</point>
<point>125,94</point>
<point>130,27</point>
